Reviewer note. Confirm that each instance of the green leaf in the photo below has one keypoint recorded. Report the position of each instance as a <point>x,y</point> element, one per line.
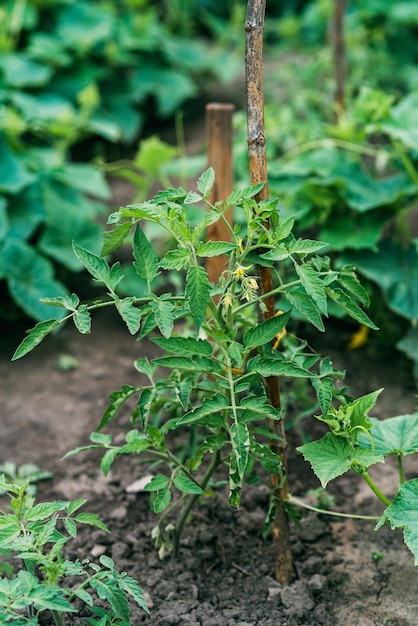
<point>395,435</point>
<point>118,398</point>
<point>184,346</point>
<point>131,587</point>
<point>306,246</point>
<point>146,262</point>
<point>129,313</point>
<point>244,194</point>
<point>157,483</point>
<point>109,590</point>
<point>195,363</point>
<point>192,197</point>
<point>91,519</point>
<point>145,367</point>
<point>113,239</point>
<point>30,277</point>
<point>278,253</point>
<point>395,269</point>
<point>349,282</point>
<point>64,302</point>
<point>240,439</point>
<point>350,307</point>
<point>70,527</point>
<point>313,286</point>
<point>160,500</point>
<point>402,513</point>
<point>266,331</point>
<point>215,248</point>
<point>209,406</point>
<point>185,485</point>
<point>107,460</point>
<point>163,311</point>
<point>98,267</point>
<point>279,367</point>
<point>206,182</point>
<point>34,338</point>
<point>177,259</point>
<point>324,388</point>
<point>198,290</point>
<point>82,319</point>
<point>333,456</point>
<point>74,505</point>
<point>306,307</point>
<point>352,418</point>
<point>284,228</point>
<point>255,408</point>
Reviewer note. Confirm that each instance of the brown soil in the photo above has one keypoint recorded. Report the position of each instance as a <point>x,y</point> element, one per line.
<point>225,575</point>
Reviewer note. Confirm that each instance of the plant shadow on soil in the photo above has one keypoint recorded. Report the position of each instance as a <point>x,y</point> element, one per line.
<point>225,574</point>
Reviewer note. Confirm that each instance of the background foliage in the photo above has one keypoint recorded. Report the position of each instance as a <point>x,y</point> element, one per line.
<point>82,79</point>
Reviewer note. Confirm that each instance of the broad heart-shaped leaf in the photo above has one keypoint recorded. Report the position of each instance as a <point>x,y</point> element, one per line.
<point>146,262</point>
<point>198,290</point>
<point>402,513</point>
<point>34,338</point>
<point>307,307</point>
<point>240,439</point>
<point>206,182</point>
<point>350,307</point>
<point>332,456</point>
<point>313,286</point>
<point>395,270</point>
<point>395,435</point>
<point>163,312</point>
<point>184,346</point>
<point>266,331</point>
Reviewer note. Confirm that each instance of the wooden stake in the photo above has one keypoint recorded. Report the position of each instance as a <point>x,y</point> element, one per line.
<point>219,139</point>
<point>338,43</point>
<point>254,27</point>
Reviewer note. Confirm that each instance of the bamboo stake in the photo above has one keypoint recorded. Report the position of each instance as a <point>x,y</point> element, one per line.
<point>254,27</point>
<point>219,138</point>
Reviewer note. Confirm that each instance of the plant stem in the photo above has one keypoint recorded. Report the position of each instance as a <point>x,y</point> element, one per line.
<point>375,489</point>
<point>401,472</point>
<point>182,518</point>
<point>58,618</point>
<point>335,513</point>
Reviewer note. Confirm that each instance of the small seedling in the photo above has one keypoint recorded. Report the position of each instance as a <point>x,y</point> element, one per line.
<point>27,474</point>
<point>35,535</point>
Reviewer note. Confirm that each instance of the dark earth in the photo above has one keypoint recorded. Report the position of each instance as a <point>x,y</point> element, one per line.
<point>225,574</point>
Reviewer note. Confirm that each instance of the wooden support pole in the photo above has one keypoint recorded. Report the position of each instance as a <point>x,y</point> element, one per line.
<point>219,151</point>
<point>338,44</point>
<point>254,28</point>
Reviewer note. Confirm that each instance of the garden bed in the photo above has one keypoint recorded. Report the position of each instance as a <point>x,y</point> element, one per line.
<point>345,573</point>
